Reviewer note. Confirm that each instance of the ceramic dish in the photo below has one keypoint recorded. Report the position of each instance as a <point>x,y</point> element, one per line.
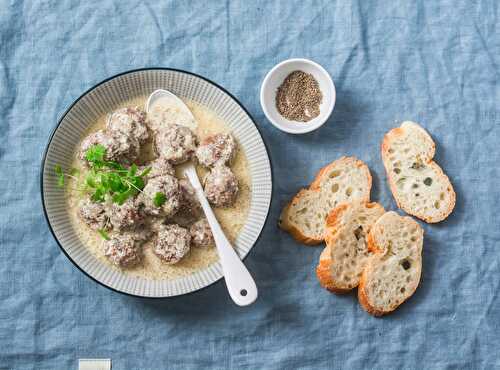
<point>103,98</point>
<point>275,78</point>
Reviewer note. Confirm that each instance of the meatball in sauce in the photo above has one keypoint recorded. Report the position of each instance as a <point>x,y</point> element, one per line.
<point>126,215</point>
<point>201,234</point>
<point>172,243</point>
<point>221,186</point>
<point>130,121</point>
<point>169,187</point>
<point>160,167</point>
<point>119,147</point>
<point>190,209</point>
<point>216,149</point>
<point>175,143</point>
<point>93,214</point>
<point>123,250</point>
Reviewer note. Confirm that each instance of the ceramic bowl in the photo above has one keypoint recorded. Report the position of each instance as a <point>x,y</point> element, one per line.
<point>275,78</point>
<point>104,98</point>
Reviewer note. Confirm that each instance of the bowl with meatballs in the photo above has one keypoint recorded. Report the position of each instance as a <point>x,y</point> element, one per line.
<point>114,194</point>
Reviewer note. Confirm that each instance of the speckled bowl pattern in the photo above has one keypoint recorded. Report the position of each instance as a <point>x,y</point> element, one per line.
<point>103,98</point>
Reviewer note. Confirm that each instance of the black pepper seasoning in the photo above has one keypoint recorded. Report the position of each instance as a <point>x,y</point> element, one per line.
<point>298,98</point>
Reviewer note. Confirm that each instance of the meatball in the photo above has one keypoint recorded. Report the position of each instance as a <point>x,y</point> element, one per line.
<point>167,185</point>
<point>201,234</point>
<point>126,215</point>
<point>175,143</point>
<point>119,147</point>
<point>189,199</point>
<point>221,186</point>
<point>190,209</point>
<point>172,243</point>
<point>217,149</point>
<point>123,250</point>
<point>143,234</point>
<point>160,167</point>
<point>93,214</point>
<point>130,121</point>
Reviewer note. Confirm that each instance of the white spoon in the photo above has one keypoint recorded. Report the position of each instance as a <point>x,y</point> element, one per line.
<point>164,108</point>
<point>239,282</point>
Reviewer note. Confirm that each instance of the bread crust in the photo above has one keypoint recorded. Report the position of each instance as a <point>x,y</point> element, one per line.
<point>394,134</point>
<point>363,299</point>
<point>291,229</point>
<point>377,250</point>
<point>315,186</point>
<point>325,265</point>
<point>323,272</point>
<point>370,242</point>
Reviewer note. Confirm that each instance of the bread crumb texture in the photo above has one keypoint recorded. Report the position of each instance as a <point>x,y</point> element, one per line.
<point>392,273</point>
<point>418,184</point>
<point>346,254</point>
<point>345,179</point>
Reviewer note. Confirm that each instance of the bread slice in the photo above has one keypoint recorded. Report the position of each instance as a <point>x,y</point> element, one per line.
<point>345,179</point>
<point>392,273</point>
<point>418,184</point>
<point>344,258</point>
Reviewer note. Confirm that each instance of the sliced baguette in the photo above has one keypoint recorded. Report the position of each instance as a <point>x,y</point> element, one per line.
<point>345,179</point>
<point>418,184</point>
<point>392,273</point>
<point>344,258</point>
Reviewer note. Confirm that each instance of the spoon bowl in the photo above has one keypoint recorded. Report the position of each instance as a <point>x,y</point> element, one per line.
<point>165,108</point>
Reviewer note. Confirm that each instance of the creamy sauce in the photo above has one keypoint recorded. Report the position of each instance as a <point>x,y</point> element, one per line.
<point>231,219</point>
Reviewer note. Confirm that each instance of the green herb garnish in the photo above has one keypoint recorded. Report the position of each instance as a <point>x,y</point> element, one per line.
<point>95,154</point>
<point>107,178</point>
<point>132,170</point>
<point>145,172</point>
<point>103,234</point>
<point>60,175</point>
<point>159,199</point>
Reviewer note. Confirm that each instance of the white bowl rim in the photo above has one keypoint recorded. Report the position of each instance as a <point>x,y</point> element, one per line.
<point>54,131</point>
<point>307,127</point>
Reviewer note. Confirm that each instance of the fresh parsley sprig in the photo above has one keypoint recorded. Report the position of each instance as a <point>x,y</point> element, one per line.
<point>109,178</point>
<point>159,199</point>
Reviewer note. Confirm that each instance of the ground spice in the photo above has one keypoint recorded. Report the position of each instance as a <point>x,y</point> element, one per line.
<point>298,98</point>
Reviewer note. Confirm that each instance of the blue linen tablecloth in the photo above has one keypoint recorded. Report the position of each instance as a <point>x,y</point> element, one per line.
<point>435,62</point>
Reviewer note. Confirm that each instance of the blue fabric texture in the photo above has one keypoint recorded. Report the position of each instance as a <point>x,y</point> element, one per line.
<point>434,62</point>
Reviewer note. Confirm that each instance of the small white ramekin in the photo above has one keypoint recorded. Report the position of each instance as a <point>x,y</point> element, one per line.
<point>275,78</point>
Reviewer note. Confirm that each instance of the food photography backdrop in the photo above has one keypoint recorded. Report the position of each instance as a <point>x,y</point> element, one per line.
<point>433,62</point>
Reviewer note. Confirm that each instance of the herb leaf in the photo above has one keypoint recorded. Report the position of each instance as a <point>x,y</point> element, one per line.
<point>108,178</point>
<point>103,234</point>
<point>132,170</point>
<point>120,198</point>
<point>114,165</point>
<point>98,195</point>
<point>159,199</point>
<point>115,182</point>
<point>91,180</point>
<point>60,175</point>
<point>95,153</point>
<point>145,172</point>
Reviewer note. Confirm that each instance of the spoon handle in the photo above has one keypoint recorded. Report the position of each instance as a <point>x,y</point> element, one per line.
<point>239,282</point>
